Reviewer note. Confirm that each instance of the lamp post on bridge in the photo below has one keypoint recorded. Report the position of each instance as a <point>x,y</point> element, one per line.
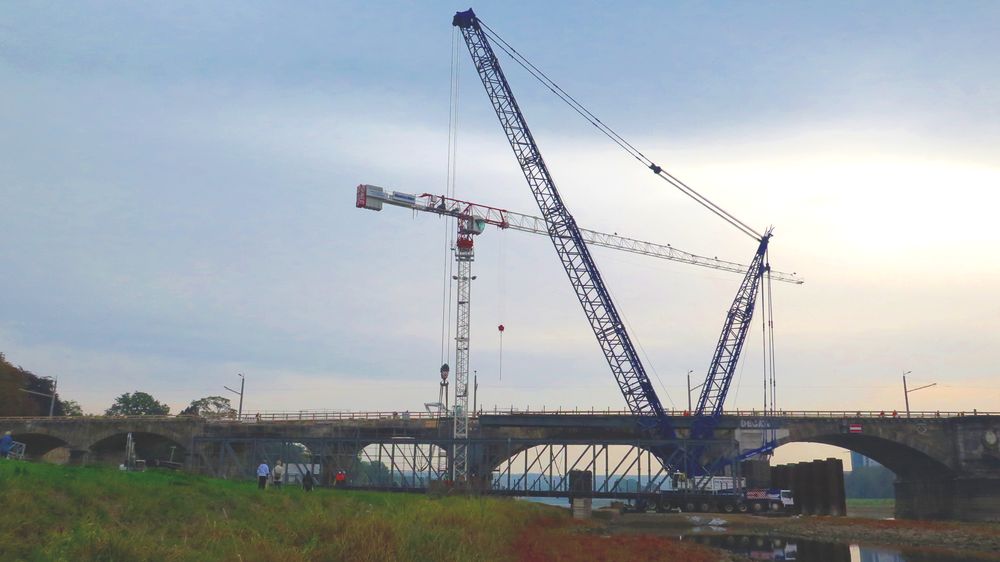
<point>243,380</point>
<point>690,388</point>
<point>52,397</point>
<point>906,391</point>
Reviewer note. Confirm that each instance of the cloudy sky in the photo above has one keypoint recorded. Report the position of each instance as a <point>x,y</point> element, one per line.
<point>177,187</point>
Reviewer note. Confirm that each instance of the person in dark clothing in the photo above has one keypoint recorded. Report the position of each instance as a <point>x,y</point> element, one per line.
<point>308,481</point>
<point>6,442</point>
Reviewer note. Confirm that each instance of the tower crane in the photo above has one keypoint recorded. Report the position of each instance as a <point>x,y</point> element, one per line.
<point>374,197</point>
<point>472,220</point>
<point>571,247</point>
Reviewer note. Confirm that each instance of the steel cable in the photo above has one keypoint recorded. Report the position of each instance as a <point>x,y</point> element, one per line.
<point>580,109</point>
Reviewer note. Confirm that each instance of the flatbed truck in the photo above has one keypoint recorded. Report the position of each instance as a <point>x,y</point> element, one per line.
<point>751,500</point>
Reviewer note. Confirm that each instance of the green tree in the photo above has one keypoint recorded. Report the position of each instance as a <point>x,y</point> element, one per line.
<point>869,482</point>
<point>72,408</point>
<point>14,380</point>
<point>209,407</point>
<point>373,473</point>
<point>137,404</point>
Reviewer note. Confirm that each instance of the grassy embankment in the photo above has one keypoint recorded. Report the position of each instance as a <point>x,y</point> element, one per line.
<point>873,508</point>
<point>871,502</point>
<point>67,513</point>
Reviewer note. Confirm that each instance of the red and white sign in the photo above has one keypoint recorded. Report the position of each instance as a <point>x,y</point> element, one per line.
<point>854,428</point>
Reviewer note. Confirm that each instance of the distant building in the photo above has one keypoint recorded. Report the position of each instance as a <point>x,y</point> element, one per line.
<point>858,460</point>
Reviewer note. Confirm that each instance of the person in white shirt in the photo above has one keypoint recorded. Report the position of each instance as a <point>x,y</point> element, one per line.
<point>278,474</point>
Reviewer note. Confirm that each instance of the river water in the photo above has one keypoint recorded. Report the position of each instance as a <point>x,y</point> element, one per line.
<point>781,548</point>
<point>777,547</point>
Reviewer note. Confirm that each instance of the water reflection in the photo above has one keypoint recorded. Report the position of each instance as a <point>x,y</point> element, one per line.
<point>757,547</point>
<point>776,548</point>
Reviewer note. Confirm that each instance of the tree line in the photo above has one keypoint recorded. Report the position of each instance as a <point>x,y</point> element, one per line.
<point>870,482</point>
<point>23,393</point>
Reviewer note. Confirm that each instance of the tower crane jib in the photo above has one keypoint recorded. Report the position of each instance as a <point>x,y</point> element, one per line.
<point>374,198</point>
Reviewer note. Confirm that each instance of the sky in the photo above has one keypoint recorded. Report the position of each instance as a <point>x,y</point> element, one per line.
<point>177,187</point>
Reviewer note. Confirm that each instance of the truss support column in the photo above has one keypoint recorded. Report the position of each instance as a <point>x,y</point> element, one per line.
<point>464,255</point>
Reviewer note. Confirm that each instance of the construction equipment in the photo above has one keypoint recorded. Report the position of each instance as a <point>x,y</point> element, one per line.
<point>441,406</point>
<point>373,197</point>
<point>570,243</point>
<point>474,217</point>
<point>571,247</point>
<point>17,450</point>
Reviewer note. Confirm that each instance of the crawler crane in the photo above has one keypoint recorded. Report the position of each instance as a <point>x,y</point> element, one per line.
<point>571,247</point>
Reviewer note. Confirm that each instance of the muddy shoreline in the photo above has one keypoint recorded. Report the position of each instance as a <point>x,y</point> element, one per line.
<point>981,541</point>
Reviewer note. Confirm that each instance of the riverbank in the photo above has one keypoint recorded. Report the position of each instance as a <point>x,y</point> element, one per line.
<point>871,508</point>
<point>980,540</point>
<point>95,513</point>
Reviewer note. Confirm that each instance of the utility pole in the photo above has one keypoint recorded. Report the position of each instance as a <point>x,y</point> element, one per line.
<point>243,380</point>
<point>906,392</point>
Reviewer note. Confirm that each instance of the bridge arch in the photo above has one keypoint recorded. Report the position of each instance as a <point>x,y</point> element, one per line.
<point>544,466</point>
<point>149,446</point>
<point>400,463</point>
<point>905,460</point>
<point>39,443</point>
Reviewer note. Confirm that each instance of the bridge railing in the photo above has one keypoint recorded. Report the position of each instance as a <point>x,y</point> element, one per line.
<point>321,415</point>
<point>327,415</point>
<point>334,415</point>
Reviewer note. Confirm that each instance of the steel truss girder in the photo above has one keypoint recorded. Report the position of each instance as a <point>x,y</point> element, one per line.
<point>623,468</point>
<point>661,458</point>
<point>384,463</point>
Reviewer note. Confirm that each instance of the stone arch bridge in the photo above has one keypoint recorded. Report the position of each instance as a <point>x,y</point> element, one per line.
<point>947,465</point>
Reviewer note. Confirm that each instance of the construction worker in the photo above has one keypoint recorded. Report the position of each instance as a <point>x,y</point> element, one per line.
<point>6,442</point>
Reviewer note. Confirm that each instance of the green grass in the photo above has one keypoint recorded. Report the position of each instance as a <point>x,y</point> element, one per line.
<point>70,513</point>
<point>871,502</point>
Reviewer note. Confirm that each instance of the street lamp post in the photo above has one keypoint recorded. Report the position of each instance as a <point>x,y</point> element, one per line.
<point>690,388</point>
<point>907,391</point>
<point>243,380</point>
<point>52,397</point>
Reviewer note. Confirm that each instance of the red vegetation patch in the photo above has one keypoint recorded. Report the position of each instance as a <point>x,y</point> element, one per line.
<point>557,540</point>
